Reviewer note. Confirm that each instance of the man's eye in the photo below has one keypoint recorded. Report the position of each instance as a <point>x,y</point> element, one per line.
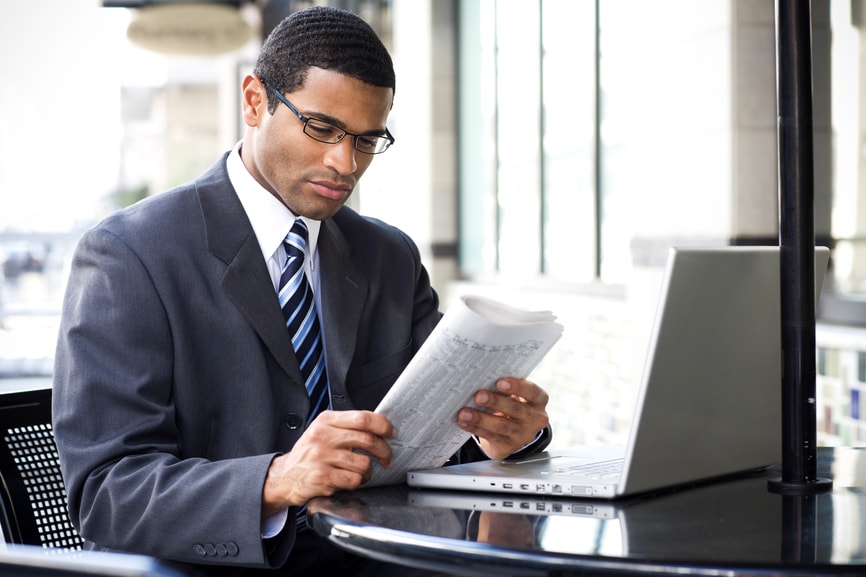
<point>320,130</point>
<point>367,142</point>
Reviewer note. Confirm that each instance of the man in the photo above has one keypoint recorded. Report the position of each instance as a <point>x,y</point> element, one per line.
<point>183,423</point>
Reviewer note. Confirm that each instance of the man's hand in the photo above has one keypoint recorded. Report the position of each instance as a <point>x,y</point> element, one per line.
<point>335,452</point>
<point>517,414</point>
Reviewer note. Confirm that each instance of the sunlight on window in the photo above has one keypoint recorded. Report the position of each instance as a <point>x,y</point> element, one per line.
<point>90,123</point>
<point>568,93</point>
<point>849,113</point>
<point>59,154</point>
<point>518,138</point>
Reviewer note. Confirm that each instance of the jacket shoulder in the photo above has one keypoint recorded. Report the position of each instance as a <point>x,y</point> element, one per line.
<point>359,230</point>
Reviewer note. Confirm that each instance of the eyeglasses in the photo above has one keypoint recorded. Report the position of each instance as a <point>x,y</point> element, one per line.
<point>330,134</point>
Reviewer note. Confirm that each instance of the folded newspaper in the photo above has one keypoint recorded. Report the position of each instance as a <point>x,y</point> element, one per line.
<point>478,341</point>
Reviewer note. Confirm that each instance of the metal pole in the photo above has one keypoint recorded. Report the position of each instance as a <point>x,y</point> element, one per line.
<point>797,249</point>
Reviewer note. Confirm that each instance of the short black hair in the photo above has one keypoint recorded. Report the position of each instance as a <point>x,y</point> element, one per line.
<point>322,37</point>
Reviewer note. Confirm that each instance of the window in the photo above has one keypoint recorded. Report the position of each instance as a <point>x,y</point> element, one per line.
<point>526,138</point>
<point>590,131</point>
<point>848,114</point>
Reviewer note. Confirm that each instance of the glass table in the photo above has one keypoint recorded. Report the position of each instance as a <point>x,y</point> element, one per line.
<point>734,526</point>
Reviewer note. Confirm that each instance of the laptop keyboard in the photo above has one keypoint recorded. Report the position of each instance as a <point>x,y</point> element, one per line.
<point>603,471</point>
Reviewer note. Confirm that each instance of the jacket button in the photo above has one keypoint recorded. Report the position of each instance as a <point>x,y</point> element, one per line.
<point>199,550</point>
<point>232,549</point>
<point>210,549</point>
<point>294,421</point>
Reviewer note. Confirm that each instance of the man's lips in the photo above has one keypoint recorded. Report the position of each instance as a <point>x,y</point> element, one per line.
<point>331,190</point>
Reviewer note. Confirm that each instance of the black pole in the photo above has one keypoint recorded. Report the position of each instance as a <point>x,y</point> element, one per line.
<point>797,249</point>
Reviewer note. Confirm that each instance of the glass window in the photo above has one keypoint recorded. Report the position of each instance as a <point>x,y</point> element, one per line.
<point>848,118</point>
<point>527,143</point>
<point>477,138</point>
<point>110,124</point>
<point>568,91</point>
<point>518,117</point>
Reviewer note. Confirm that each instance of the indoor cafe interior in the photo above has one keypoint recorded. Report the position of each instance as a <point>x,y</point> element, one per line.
<point>548,154</point>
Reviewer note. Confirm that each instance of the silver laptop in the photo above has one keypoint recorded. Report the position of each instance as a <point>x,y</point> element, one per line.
<point>709,403</point>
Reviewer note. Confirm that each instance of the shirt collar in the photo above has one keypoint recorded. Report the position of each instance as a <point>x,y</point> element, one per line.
<point>270,218</point>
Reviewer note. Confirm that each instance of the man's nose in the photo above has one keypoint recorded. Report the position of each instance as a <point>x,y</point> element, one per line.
<point>341,156</point>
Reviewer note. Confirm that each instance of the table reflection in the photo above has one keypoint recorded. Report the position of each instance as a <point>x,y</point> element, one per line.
<point>736,523</point>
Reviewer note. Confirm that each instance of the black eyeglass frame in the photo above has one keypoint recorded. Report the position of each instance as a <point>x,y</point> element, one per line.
<point>387,138</point>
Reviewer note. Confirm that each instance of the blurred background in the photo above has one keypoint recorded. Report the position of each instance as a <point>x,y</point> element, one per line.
<point>548,153</point>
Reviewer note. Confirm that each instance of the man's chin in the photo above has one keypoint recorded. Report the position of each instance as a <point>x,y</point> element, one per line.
<point>323,210</point>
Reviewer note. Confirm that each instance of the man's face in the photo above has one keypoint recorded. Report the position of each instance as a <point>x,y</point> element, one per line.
<point>312,178</point>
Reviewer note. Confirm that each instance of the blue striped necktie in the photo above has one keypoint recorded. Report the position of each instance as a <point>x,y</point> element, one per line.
<point>299,309</point>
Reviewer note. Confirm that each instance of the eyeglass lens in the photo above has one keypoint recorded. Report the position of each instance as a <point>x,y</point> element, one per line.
<point>330,134</point>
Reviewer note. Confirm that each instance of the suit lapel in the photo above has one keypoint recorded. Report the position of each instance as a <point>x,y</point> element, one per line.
<point>343,291</point>
<point>343,288</point>
<point>246,281</point>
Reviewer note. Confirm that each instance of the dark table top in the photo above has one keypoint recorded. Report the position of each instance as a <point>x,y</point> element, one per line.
<point>735,526</point>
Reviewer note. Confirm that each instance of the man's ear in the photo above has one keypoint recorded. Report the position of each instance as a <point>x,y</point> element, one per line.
<point>254,100</point>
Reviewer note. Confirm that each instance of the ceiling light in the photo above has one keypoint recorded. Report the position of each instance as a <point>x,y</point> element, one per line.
<point>189,29</point>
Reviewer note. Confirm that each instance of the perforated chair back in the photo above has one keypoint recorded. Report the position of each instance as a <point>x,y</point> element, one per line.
<point>32,490</point>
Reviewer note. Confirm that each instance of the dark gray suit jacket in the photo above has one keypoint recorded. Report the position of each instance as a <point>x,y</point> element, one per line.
<point>175,381</point>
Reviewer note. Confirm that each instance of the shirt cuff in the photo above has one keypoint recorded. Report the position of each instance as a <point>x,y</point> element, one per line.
<point>536,445</point>
<point>274,524</point>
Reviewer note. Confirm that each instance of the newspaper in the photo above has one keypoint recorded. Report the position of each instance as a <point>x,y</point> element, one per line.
<point>477,342</point>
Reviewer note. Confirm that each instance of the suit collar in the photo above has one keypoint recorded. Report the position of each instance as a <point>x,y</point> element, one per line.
<point>246,281</point>
<point>343,287</point>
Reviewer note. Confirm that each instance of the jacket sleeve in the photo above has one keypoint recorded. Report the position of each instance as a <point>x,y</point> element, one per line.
<point>130,487</point>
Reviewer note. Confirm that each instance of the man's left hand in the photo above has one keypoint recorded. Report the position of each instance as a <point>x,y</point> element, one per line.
<point>514,414</point>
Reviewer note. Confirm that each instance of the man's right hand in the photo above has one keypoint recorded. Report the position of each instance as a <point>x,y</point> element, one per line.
<point>335,452</point>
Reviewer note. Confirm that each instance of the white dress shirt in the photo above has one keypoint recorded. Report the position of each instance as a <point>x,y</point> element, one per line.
<point>271,221</point>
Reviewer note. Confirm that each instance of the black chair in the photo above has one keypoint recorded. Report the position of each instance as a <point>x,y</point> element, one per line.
<point>32,494</point>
